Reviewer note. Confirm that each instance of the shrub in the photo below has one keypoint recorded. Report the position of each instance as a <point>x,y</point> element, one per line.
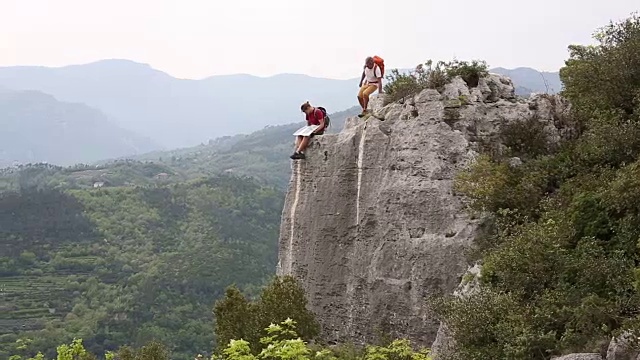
<point>400,86</point>
<point>432,75</point>
<point>608,142</point>
<point>494,185</point>
<point>470,72</point>
<point>526,138</point>
<point>397,350</point>
<point>483,324</point>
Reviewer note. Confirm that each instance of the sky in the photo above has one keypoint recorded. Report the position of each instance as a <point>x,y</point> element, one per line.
<point>329,38</point>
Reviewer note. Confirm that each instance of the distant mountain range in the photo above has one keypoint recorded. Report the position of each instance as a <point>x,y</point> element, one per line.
<point>35,127</point>
<point>180,113</point>
<point>528,80</point>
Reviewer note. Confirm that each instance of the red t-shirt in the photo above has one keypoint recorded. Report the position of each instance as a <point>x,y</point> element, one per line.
<point>315,117</point>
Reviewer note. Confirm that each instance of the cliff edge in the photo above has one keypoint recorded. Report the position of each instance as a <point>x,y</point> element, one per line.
<point>371,224</point>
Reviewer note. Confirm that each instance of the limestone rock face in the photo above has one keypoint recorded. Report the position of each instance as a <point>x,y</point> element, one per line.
<point>371,224</point>
<point>443,347</point>
<point>623,348</point>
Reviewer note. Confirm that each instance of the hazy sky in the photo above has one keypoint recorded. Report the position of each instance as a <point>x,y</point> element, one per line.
<point>328,38</point>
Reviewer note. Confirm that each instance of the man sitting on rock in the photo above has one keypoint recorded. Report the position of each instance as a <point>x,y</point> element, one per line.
<point>370,81</point>
<point>315,116</point>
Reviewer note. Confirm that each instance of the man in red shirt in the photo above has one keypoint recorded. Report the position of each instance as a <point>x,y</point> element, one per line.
<point>314,117</point>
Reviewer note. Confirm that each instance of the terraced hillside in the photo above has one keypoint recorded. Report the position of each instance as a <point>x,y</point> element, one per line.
<point>29,302</point>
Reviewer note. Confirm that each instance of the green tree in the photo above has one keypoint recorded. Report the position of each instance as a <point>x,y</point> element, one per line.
<point>153,351</point>
<point>603,80</point>
<point>237,318</point>
<point>283,296</point>
<point>74,351</point>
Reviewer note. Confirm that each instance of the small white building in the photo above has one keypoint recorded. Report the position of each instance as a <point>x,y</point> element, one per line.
<point>98,184</point>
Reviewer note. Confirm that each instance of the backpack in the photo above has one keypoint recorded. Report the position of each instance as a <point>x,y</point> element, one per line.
<point>327,121</point>
<point>378,61</point>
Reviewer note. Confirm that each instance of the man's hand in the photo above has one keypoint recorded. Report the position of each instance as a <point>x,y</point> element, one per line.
<point>360,84</point>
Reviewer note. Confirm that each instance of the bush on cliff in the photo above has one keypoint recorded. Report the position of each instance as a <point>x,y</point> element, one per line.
<point>432,75</point>
<point>560,270</point>
<point>238,318</point>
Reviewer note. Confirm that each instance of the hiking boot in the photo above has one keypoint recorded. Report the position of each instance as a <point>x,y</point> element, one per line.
<point>363,113</point>
<point>297,156</point>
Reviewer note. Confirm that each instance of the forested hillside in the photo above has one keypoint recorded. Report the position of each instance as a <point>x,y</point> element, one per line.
<point>129,264</point>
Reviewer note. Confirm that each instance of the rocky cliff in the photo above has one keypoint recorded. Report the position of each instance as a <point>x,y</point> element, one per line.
<point>371,223</point>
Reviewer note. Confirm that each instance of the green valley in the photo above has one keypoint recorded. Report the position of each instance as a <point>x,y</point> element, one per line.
<point>130,264</point>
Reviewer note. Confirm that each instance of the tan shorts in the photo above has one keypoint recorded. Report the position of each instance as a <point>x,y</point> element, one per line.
<point>367,89</point>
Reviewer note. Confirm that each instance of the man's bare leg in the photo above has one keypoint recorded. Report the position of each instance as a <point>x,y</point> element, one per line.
<point>303,144</point>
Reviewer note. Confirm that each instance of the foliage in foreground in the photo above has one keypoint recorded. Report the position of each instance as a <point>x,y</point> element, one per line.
<point>238,318</point>
<point>283,343</point>
<point>280,342</point>
<point>77,351</point>
<point>561,268</point>
<point>432,75</point>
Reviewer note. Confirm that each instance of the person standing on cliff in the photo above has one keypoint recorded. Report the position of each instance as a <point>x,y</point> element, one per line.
<point>370,81</point>
<point>315,116</point>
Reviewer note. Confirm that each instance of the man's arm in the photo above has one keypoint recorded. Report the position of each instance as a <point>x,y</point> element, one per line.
<point>321,128</point>
<point>379,75</point>
<point>361,79</point>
